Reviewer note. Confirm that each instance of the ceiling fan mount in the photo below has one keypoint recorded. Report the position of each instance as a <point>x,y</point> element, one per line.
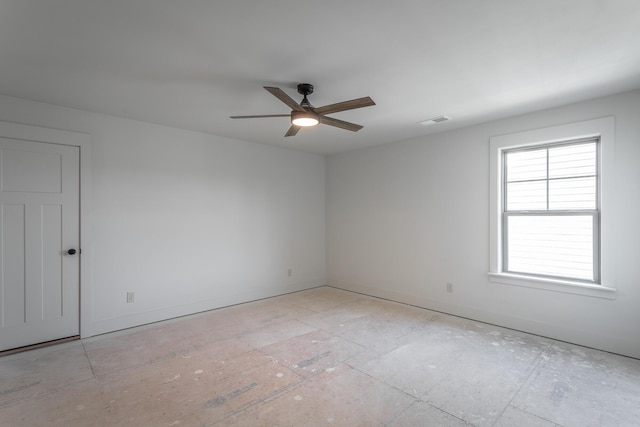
<point>304,114</point>
<point>305,89</point>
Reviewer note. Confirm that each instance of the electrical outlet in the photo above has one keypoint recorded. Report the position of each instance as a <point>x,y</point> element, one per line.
<point>130,296</point>
<point>290,272</point>
<point>449,287</point>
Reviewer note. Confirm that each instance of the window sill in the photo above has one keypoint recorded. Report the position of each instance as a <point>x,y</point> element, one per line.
<point>556,285</point>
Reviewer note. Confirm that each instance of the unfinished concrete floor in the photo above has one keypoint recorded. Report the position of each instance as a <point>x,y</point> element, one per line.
<point>322,357</point>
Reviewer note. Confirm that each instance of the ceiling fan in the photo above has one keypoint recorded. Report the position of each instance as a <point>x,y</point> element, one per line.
<point>305,114</point>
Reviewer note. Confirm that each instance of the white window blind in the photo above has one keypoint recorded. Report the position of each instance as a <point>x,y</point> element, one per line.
<point>550,210</point>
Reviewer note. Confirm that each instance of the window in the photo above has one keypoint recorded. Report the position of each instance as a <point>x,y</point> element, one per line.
<point>550,211</point>
<point>549,226</point>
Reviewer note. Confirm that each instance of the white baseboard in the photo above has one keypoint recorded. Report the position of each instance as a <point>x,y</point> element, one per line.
<point>104,326</point>
<point>625,347</point>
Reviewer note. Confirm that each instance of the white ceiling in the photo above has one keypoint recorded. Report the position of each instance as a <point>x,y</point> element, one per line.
<point>193,63</point>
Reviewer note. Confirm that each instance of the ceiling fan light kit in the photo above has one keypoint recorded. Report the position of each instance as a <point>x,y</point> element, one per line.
<point>305,119</point>
<point>306,115</point>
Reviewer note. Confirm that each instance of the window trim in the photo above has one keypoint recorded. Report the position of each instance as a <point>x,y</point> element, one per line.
<point>602,128</point>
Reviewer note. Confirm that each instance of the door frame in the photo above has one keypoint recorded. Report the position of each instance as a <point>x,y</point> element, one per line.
<point>83,141</point>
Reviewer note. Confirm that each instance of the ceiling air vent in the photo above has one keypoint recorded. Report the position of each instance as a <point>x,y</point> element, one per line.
<point>434,120</point>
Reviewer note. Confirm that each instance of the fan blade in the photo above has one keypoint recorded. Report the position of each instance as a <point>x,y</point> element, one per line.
<point>346,105</point>
<point>292,130</point>
<point>339,123</point>
<point>260,117</point>
<point>279,93</point>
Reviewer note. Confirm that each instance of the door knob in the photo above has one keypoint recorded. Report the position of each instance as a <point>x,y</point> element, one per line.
<point>71,251</point>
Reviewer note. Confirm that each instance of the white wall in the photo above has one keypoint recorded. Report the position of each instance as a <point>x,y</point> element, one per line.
<point>406,218</point>
<point>190,221</point>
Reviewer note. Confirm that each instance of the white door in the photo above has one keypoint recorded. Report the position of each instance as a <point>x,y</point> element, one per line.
<point>39,225</point>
